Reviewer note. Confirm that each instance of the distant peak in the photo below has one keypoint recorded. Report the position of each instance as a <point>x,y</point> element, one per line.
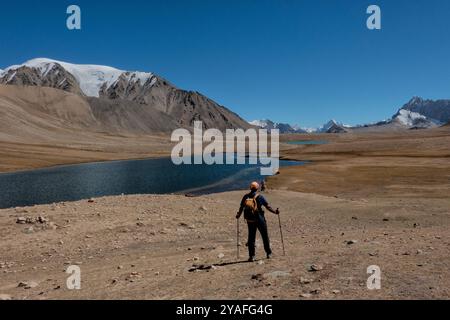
<point>416,100</point>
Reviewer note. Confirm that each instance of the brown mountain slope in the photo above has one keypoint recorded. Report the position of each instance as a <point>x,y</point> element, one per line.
<point>41,114</point>
<point>37,112</point>
<point>148,89</point>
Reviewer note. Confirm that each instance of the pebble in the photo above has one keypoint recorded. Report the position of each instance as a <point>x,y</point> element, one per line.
<point>315,268</point>
<point>221,256</point>
<point>27,284</point>
<point>305,280</point>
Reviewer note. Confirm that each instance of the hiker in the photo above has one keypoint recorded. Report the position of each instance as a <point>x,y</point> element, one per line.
<point>263,185</point>
<point>251,205</point>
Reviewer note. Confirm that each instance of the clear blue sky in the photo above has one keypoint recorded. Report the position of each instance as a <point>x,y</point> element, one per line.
<point>292,61</point>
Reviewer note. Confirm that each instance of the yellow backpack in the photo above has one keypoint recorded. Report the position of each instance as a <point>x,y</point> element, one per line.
<point>251,208</point>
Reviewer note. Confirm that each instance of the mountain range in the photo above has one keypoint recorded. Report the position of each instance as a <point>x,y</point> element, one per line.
<point>44,94</point>
<point>418,113</point>
<point>123,101</point>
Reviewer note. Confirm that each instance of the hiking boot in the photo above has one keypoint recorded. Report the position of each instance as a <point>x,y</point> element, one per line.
<point>251,259</point>
<point>269,256</point>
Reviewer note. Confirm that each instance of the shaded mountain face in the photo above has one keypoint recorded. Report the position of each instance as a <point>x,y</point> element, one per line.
<point>432,109</point>
<point>138,88</point>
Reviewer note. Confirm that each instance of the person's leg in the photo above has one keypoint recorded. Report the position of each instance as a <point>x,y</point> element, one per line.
<point>251,239</point>
<point>262,227</point>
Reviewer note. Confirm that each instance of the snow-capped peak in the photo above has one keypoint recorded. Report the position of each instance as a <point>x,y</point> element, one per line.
<point>409,118</point>
<point>260,123</point>
<point>91,78</point>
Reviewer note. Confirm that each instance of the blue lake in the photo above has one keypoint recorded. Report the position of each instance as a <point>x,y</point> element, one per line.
<point>308,142</point>
<point>151,176</point>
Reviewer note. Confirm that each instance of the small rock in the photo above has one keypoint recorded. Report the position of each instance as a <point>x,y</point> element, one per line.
<point>260,262</point>
<point>203,209</point>
<point>221,256</point>
<point>419,251</point>
<point>350,242</point>
<point>354,218</point>
<point>315,268</point>
<point>305,281</point>
<point>21,220</point>
<point>316,291</point>
<point>120,267</point>
<point>258,277</point>
<point>196,258</point>
<point>91,201</point>
<point>27,284</point>
<point>41,219</point>
<point>385,219</point>
<point>336,291</point>
<point>306,295</point>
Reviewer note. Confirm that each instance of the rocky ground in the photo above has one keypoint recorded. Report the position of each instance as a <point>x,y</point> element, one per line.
<point>176,247</point>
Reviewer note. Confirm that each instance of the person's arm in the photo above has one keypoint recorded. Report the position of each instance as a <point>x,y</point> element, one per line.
<point>241,208</point>
<point>272,210</point>
<point>268,207</point>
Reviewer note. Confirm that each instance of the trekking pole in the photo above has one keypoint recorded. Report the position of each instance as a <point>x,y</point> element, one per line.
<point>237,243</point>
<point>281,233</point>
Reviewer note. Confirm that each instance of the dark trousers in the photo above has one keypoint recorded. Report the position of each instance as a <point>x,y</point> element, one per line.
<point>261,225</point>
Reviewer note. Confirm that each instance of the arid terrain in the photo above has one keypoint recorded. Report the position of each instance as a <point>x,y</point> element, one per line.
<point>366,199</point>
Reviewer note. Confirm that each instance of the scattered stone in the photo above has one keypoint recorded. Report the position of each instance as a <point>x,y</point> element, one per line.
<point>21,220</point>
<point>385,219</point>
<point>315,268</point>
<point>27,284</point>
<point>196,258</point>
<point>260,262</point>
<point>305,280</point>
<point>336,292</point>
<point>91,201</point>
<point>221,256</point>
<point>41,219</point>
<point>120,267</point>
<point>258,277</point>
<point>316,291</point>
<point>354,218</point>
<point>306,295</point>
<point>203,209</point>
<point>350,242</point>
<point>419,251</point>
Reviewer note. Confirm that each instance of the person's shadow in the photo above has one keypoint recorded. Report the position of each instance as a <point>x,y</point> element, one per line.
<point>204,267</point>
